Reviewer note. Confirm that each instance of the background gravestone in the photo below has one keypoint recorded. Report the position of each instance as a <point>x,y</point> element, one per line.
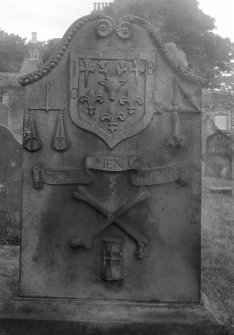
<point>218,156</point>
<point>4,114</point>
<point>208,128</point>
<point>111,186</point>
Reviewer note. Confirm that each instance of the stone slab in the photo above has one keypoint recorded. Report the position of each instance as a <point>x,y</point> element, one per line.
<point>84,317</point>
<point>101,114</point>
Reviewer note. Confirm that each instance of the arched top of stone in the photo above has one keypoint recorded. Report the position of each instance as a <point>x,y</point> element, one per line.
<point>123,29</point>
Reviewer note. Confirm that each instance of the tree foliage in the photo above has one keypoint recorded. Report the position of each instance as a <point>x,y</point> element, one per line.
<point>178,21</point>
<point>49,47</point>
<point>182,22</point>
<point>12,50</point>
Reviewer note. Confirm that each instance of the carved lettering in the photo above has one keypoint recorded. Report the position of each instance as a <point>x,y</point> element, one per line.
<point>161,175</point>
<point>42,175</point>
<point>87,69</point>
<point>136,70</point>
<point>114,163</point>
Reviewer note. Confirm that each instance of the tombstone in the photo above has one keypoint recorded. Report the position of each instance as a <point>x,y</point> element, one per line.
<point>10,186</point>
<point>4,114</point>
<point>208,128</point>
<point>218,156</point>
<point>111,188</point>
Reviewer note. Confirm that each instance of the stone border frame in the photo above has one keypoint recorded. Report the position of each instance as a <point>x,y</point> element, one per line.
<point>68,36</point>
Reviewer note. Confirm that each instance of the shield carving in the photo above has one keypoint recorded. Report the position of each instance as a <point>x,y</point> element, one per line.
<point>111,95</point>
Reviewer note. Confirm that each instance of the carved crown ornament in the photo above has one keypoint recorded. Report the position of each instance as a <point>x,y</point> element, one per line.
<point>105,27</point>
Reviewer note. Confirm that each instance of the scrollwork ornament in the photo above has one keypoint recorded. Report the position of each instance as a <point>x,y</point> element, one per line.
<point>124,30</point>
<point>104,28</point>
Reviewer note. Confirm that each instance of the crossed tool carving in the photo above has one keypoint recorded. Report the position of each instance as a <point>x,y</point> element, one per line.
<point>114,217</point>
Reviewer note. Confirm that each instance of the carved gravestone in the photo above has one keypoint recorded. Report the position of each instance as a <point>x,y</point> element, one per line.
<point>111,177</point>
<point>219,155</point>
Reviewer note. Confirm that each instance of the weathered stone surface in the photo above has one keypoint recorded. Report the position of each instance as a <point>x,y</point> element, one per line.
<point>111,188</point>
<point>86,318</point>
<point>4,114</point>
<point>112,139</point>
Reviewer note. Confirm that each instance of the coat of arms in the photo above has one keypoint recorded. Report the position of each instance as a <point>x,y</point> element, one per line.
<point>112,96</point>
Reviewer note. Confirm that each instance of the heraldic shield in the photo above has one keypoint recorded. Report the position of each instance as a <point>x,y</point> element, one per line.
<point>112,95</point>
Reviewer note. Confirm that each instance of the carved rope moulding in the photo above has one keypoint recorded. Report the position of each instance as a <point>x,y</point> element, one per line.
<point>105,27</point>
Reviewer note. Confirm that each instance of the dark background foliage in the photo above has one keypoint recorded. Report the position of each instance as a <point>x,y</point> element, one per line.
<point>178,21</point>
<point>182,22</point>
<point>12,50</point>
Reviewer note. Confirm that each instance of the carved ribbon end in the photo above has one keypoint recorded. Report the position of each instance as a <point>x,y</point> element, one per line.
<point>184,178</point>
<point>37,177</point>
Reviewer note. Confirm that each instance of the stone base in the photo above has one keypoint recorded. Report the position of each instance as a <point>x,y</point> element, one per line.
<point>55,317</point>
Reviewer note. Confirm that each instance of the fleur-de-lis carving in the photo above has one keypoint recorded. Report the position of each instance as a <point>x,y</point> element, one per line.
<point>131,101</point>
<point>112,116</point>
<point>91,98</point>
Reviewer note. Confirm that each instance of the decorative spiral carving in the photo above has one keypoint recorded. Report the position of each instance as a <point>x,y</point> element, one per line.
<point>124,30</point>
<point>104,28</point>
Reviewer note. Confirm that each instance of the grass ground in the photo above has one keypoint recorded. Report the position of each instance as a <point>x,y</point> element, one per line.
<point>9,270</point>
<point>218,249</point>
<point>217,253</point>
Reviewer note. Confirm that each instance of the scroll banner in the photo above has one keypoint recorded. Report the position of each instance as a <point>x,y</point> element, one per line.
<point>153,176</point>
<point>114,163</point>
<point>43,175</point>
<point>160,175</point>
